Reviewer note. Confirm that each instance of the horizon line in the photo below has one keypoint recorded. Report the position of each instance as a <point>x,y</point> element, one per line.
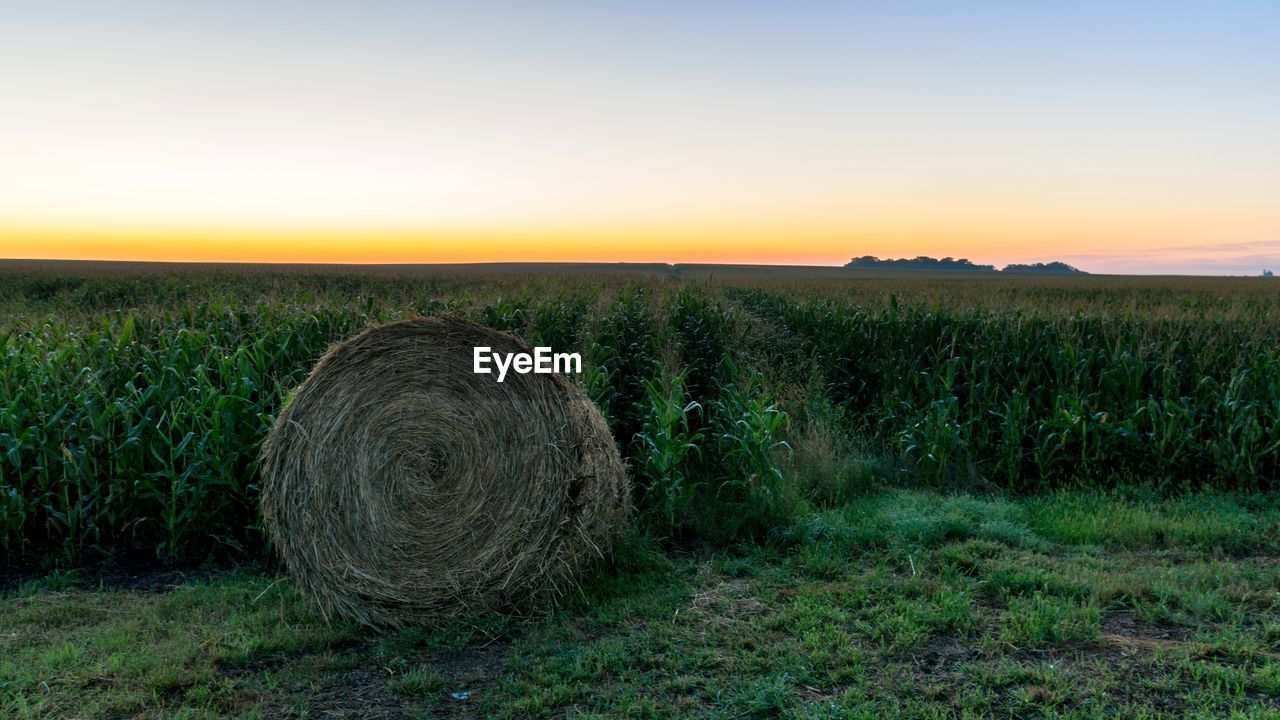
<point>8,261</point>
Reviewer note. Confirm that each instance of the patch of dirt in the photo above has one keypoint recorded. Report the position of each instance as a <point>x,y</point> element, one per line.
<point>941,655</point>
<point>474,661</point>
<point>1120,653</point>
<point>728,600</point>
<point>263,662</point>
<point>810,695</point>
<point>358,693</point>
<point>258,664</point>
<point>722,599</point>
<point>1126,669</point>
<point>1124,632</point>
<point>363,691</point>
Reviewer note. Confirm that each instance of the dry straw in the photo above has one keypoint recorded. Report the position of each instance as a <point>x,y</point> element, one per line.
<point>402,488</point>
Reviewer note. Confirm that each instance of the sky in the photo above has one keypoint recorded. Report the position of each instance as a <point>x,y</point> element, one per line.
<point>1124,137</point>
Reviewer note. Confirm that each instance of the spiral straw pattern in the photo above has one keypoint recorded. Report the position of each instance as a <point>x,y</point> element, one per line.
<point>399,487</point>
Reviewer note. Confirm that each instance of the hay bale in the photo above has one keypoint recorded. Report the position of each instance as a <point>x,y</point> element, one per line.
<point>399,487</point>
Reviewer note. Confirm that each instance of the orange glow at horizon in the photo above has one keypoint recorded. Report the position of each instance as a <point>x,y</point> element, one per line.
<point>776,244</point>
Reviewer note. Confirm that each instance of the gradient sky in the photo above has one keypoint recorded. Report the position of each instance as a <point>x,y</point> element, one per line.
<point>1122,136</point>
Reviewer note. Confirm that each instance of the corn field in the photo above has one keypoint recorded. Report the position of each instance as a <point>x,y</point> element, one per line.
<point>133,403</point>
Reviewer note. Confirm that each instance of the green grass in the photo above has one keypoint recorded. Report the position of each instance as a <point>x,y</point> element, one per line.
<point>767,420</point>
<point>1202,522</point>
<point>898,603</point>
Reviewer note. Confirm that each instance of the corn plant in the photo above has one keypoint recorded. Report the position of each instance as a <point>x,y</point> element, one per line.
<point>666,445</point>
<point>752,495</point>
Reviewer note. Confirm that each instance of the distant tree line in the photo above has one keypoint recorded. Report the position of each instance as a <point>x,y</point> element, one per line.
<point>918,263</point>
<point>924,262</point>
<point>1049,267</point>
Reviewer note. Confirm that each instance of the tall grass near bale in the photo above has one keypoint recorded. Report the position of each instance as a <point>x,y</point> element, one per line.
<point>828,460</point>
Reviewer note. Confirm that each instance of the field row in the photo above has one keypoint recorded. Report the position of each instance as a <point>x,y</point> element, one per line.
<point>133,407</point>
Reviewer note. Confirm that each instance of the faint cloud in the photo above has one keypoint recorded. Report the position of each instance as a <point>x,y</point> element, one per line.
<point>1236,258</point>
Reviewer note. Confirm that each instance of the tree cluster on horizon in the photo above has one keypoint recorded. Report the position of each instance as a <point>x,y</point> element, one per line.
<point>922,262</point>
<point>925,262</point>
<point>1049,267</point>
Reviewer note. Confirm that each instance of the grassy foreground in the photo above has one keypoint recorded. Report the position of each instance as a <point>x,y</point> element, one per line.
<point>901,603</point>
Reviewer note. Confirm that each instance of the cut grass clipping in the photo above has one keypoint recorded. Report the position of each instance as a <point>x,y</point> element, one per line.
<point>399,487</point>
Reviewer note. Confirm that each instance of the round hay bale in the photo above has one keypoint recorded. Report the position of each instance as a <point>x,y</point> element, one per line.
<point>399,487</point>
